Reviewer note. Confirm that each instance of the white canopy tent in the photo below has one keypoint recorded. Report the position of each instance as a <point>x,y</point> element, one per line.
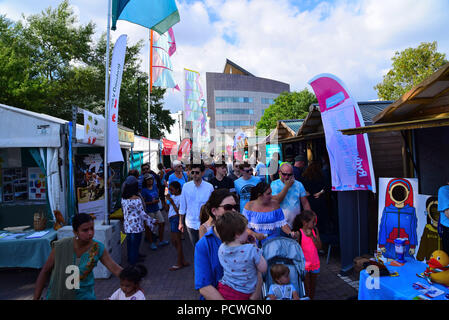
<point>141,145</point>
<point>25,129</point>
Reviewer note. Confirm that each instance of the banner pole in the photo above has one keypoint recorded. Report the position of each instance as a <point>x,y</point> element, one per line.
<point>106,123</point>
<point>149,96</point>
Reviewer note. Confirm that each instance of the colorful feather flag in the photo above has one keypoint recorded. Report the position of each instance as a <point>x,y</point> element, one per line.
<point>158,15</point>
<point>162,48</point>
<point>193,95</point>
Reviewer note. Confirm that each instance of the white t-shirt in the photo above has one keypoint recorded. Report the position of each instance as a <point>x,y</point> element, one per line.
<point>177,201</point>
<point>120,295</point>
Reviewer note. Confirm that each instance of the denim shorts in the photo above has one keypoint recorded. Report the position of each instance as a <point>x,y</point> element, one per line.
<point>314,271</point>
<point>174,223</point>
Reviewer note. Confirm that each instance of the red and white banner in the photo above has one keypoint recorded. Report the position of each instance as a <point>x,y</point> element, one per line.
<point>350,156</point>
<point>169,147</point>
<point>118,60</point>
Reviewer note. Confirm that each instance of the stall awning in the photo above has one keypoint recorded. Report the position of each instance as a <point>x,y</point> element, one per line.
<point>22,128</point>
<point>424,106</point>
<point>429,99</point>
<point>397,126</point>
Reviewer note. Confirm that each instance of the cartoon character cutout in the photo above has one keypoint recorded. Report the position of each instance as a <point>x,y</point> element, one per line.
<point>399,219</point>
<point>430,239</point>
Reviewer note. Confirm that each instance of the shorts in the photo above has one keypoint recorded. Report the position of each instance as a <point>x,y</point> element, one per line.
<point>231,294</point>
<point>314,271</point>
<point>157,215</point>
<point>174,224</point>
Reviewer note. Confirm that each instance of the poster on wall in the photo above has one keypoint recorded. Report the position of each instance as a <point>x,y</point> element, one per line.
<point>89,183</point>
<point>405,214</point>
<point>36,184</point>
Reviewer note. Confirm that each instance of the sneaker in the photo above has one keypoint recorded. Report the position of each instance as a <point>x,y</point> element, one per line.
<point>163,243</point>
<point>153,246</point>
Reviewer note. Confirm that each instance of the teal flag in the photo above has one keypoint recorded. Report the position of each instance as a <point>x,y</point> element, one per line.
<point>158,15</point>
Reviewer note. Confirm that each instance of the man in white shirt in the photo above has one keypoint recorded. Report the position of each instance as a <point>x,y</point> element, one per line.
<point>194,194</point>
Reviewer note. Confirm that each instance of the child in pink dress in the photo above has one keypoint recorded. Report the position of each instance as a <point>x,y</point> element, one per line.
<point>310,242</point>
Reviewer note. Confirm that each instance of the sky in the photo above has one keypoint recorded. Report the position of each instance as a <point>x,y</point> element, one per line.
<point>290,41</point>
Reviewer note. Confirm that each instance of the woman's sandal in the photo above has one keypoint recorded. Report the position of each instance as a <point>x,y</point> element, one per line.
<point>175,267</point>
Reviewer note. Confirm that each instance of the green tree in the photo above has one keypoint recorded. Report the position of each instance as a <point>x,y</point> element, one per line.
<point>288,105</point>
<point>49,62</point>
<point>409,68</point>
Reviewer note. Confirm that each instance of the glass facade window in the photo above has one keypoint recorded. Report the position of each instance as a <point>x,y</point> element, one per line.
<point>234,111</point>
<point>234,123</point>
<point>267,101</point>
<point>234,99</point>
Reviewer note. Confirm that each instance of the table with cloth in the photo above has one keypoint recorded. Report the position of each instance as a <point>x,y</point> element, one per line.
<point>26,253</point>
<point>397,288</point>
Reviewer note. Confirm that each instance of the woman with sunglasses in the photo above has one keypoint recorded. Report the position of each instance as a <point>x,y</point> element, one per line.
<point>264,213</point>
<point>208,270</point>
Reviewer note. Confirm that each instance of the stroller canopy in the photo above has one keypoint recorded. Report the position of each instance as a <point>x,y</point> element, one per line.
<point>285,248</point>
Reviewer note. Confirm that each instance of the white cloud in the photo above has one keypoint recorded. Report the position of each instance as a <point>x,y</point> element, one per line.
<point>355,40</point>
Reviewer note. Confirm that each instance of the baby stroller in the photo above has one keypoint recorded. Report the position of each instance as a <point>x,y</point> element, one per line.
<point>287,251</point>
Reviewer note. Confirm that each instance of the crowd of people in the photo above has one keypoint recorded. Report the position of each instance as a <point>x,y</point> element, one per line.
<point>227,210</point>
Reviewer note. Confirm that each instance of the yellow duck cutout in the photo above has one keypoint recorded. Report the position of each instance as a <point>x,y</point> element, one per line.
<point>439,261</point>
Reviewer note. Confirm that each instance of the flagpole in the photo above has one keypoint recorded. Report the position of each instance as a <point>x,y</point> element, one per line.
<point>149,95</point>
<point>106,123</point>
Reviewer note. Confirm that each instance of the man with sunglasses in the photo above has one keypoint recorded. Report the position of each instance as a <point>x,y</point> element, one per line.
<point>194,194</point>
<point>244,184</point>
<point>296,195</point>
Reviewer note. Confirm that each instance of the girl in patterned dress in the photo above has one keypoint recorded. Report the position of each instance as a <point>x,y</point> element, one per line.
<point>134,217</point>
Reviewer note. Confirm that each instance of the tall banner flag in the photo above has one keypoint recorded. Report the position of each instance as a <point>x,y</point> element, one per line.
<point>163,47</point>
<point>118,60</point>
<point>350,156</point>
<point>193,95</point>
<point>158,15</point>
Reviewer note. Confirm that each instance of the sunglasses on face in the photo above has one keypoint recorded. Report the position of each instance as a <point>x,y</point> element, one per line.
<point>230,207</point>
<point>287,174</point>
<point>195,172</point>
<point>248,170</point>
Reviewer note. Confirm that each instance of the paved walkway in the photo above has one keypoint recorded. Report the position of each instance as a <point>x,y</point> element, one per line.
<point>162,284</point>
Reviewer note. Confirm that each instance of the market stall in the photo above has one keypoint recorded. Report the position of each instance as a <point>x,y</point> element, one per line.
<point>421,117</point>
<point>32,155</point>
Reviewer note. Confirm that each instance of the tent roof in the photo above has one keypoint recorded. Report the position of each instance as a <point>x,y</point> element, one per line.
<point>425,105</point>
<point>312,127</point>
<point>40,116</point>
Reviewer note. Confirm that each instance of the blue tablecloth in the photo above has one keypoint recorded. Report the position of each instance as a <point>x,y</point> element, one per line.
<point>26,253</point>
<point>396,288</point>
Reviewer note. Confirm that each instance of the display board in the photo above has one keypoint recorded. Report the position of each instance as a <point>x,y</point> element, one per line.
<point>89,183</point>
<point>36,184</point>
<point>404,213</point>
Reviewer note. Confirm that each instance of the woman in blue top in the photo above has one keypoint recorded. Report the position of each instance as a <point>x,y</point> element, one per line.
<point>72,261</point>
<point>264,213</point>
<point>208,270</point>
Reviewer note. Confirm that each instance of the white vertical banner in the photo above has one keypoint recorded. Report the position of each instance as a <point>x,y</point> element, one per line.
<point>118,60</point>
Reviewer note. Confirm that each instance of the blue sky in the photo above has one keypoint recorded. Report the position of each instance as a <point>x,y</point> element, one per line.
<point>287,40</point>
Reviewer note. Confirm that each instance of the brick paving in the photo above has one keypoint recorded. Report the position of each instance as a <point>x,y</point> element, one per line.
<point>162,284</point>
